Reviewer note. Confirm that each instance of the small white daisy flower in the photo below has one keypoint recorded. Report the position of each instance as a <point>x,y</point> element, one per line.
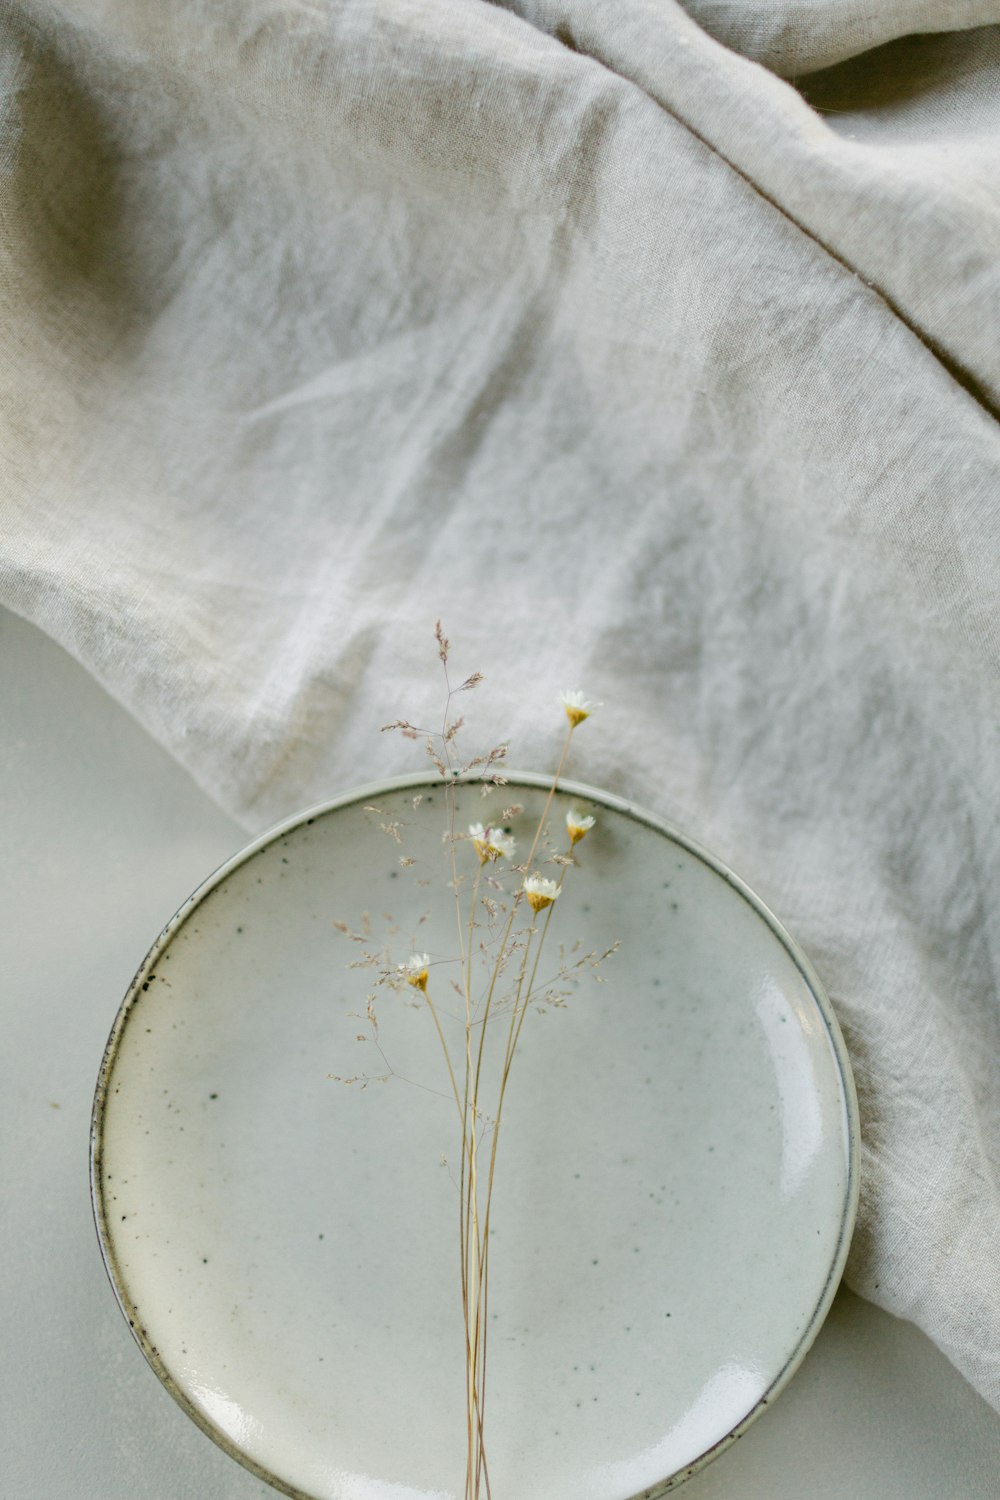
<point>577,826</point>
<point>501,843</point>
<point>491,843</point>
<point>577,707</point>
<point>540,892</point>
<point>415,970</point>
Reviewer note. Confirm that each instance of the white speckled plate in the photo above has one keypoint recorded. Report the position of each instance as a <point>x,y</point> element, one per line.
<point>676,1179</point>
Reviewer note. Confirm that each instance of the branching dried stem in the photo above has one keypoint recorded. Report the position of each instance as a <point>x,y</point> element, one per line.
<point>489,933</point>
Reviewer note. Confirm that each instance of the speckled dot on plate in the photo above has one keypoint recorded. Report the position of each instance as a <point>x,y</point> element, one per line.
<point>676,1175</point>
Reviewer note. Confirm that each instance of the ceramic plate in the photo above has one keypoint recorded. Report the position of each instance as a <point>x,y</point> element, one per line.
<point>676,1178</point>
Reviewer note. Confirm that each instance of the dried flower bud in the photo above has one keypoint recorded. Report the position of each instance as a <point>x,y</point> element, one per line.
<point>577,707</point>
<point>415,970</point>
<point>491,843</point>
<point>578,826</point>
<point>540,892</point>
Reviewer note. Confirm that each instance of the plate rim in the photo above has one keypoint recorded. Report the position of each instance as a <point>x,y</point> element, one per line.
<point>539,781</point>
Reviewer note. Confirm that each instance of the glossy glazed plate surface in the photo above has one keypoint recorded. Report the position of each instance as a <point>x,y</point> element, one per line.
<point>676,1176</point>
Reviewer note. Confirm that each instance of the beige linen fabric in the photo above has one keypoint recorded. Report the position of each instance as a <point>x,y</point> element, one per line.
<point>644,369</point>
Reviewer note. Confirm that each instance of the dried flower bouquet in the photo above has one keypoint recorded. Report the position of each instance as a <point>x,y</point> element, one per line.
<point>504,908</point>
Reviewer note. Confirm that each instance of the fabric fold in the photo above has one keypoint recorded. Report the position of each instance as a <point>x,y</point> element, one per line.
<point>796,37</point>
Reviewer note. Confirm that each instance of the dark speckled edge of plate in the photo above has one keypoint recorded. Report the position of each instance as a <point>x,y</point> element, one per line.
<point>365,794</point>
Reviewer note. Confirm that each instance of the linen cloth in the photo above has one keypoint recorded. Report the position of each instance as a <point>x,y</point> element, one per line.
<point>655,351</point>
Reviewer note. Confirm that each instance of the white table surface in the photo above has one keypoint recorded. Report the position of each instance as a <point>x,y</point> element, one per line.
<point>103,838</point>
